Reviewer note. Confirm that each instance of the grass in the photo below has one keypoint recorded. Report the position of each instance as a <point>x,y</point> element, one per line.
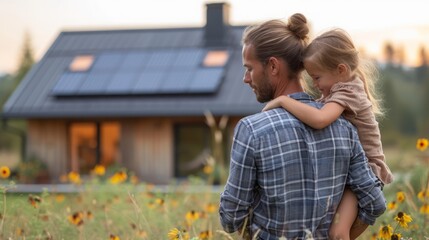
<point>114,208</point>
<point>105,211</point>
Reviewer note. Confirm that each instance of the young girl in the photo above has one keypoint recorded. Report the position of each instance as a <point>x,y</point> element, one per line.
<point>347,87</point>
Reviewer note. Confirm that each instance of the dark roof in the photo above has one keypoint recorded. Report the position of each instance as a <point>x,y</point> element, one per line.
<point>33,98</point>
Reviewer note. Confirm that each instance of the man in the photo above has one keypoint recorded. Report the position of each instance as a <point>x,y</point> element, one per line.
<point>286,179</point>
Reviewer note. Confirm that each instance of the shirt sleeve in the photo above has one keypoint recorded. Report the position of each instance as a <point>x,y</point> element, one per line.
<point>237,198</point>
<point>366,186</point>
<point>351,97</point>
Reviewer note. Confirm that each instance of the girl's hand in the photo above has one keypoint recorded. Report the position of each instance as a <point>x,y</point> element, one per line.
<point>275,103</point>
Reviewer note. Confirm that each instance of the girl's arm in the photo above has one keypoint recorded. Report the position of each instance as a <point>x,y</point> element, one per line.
<point>314,117</point>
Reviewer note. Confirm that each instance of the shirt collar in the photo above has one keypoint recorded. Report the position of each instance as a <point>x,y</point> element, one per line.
<point>301,96</point>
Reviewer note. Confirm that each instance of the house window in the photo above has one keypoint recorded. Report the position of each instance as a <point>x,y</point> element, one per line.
<point>215,59</point>
<point>81,63</point>
<point>192,149</point>
<point>93,143</point>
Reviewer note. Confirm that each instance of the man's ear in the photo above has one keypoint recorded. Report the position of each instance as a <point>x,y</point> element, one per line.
<point>273,64</point>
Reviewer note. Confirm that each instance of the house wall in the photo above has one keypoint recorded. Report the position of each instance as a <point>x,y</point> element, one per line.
<point>47,141</point>
<point>147,148</point>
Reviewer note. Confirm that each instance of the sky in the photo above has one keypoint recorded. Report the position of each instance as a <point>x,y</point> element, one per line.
<point>371,23</point>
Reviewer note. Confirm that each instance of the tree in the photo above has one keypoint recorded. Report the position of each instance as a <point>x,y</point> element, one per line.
<point>26,60</point>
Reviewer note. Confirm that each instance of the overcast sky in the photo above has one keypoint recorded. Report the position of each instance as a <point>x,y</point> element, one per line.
<point>370,22</point>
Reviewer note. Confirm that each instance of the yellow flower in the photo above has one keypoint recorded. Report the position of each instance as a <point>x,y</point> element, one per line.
<point>385,232</point>
<point>99,170</point>
<point>76,218</point>
<point>20,232</point>
<point>423,194</point>
<point>114,237</point>
<point>392,205</point>
<point>422,144</point>
<point>4,172</point>
<point>204,235</point>
<point>74,177</point>
<point>191,216</point>
<point>424,209</point>
<point>176,234</point>
<point>374,236</point>
<point>207,169</point>
<point>59,198</point>
<point>403,219</point>
<point>34,200</point>
<point>118,177</point>
<point>211,208</point>
<point>400,197</point>
<point>395,236</point>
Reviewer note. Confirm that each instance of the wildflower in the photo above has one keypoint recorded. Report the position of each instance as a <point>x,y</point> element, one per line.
<point>403,219</point>
<point>76,218</point>
<point>191,216</point>
<point>74,177</point>
<point>4,172</point>
<point>385,232</point>
<point>392,205</point>
<point>59,198</point>
<point>211,208</point>
<point>34,200</point>
<point>176,234</point>
<point>423,194</point>
<point>208,169</point>
<point>99,170</point>
<point>89,215</point>
<point>424,209</point>
<point>118,177</point>
<point>114,237</point>
<point>20,232</point>
<point>396,236</point>
<point>400,197</point>
<point>422,144</point>
<point>374,236</point>
<point>205,235</point>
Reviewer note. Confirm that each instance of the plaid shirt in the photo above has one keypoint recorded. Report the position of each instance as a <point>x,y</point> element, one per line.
<point>286,179</point>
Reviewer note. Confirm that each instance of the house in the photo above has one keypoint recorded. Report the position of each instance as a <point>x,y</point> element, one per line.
<point>134,97</point>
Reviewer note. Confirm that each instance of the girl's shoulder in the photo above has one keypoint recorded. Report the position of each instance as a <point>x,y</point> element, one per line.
<point>355,86</point>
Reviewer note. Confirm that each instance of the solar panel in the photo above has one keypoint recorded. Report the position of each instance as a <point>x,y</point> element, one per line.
<point>152,71</point>
<point>69,83</point>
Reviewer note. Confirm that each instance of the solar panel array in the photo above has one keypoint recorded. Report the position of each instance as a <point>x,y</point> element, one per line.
<point>163,71</point>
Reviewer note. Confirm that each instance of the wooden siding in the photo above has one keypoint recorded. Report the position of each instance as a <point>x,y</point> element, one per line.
<point>147,149</point>
<point>47,141</point>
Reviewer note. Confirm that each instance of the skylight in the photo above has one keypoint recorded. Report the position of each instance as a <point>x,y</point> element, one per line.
<point>81,63</point>
<point>215,58</point>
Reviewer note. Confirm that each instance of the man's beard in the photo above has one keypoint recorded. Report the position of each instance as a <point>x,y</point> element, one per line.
<point>265,91</point>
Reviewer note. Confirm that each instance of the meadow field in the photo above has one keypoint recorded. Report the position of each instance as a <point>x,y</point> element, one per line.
<point>118,206</point>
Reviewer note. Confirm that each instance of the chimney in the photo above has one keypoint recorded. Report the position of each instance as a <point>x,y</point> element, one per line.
<point>217,24</point>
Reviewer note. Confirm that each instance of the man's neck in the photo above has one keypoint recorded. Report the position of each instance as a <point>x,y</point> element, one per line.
<point>288,88</point>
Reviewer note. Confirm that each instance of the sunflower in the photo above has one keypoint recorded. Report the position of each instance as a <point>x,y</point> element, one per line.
<point>114,237</point>
<point>99,170</point>
<point>422,144</point>
<point>118,177</point>
<point>192,216</point>
<point>210,208</point>
<point>4,172</point>
<point>205,235</point>
<point>76,218</point>
<point>423,194</point>
<point>424,209</point>
<point>400,197</point>
<point>396,236</point>
<point>392,205</point>
<point>403,219</point>
<point>385,232</point>
<point>176,234</point>
<point>74,177</point>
